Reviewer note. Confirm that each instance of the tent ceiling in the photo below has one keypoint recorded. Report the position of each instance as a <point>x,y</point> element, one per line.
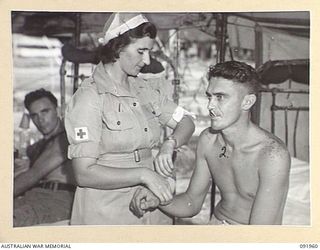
<point>63,23</point>
<point>289,18</point>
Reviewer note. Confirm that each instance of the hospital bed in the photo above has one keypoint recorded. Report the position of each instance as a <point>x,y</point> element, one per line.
<point>286,93</point>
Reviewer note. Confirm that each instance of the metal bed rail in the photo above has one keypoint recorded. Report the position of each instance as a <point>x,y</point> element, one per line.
<point>286,108</point>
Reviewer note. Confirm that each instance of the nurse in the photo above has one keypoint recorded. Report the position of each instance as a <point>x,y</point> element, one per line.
<point>113,121</point>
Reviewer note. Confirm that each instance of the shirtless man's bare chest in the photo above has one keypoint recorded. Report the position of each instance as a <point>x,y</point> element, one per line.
<point>235,172</point>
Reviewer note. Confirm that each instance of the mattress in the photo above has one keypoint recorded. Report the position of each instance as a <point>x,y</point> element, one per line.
<point>297,208</point>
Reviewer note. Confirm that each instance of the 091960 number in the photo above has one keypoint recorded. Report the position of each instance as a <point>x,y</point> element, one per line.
<point>308,245</point>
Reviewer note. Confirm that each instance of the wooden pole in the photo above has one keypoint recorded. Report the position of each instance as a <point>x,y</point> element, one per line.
<point>221,33</point>
<point>258,55</point>
<point>76,44</point>
<point>62,73</point>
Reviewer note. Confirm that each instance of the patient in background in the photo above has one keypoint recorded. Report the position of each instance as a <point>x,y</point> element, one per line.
<point>44,192</point>
<point>249,165</point>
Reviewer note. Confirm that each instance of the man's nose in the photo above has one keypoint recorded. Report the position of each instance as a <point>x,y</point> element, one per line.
<point>146,58</point>
<point>211,104</point>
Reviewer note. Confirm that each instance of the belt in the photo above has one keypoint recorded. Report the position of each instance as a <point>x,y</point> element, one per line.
<point>136,156</point>
<point>55,186</point>
<point>139,154</point>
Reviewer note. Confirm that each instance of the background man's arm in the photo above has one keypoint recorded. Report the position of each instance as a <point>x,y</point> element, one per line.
<point>54,155</point>
<point>272,191</point>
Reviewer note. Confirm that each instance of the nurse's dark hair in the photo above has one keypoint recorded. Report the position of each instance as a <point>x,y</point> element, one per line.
<point>239,72</point>
<point>110,52</point>
<point>38,94</point>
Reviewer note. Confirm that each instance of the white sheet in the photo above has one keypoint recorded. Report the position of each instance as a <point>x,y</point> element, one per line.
<point>297,208</point>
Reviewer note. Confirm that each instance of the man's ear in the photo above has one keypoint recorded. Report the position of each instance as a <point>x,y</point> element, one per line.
<point>248,101</point>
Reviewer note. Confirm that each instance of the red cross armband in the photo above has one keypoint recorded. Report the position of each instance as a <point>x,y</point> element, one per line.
<point>81,134</point>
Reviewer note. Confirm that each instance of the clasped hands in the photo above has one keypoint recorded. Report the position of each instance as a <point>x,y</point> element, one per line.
<point>144,199</point>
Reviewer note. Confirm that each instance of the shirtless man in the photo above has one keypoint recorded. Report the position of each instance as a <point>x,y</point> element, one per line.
<point>249,165</point>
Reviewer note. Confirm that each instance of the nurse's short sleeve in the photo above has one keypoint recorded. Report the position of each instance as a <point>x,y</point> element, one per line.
<point>83,123</point>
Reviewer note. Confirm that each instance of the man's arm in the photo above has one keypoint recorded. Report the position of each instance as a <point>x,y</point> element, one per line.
<point>189,203</point>
<point>273,186</point>
<point>54,155</point>
<point>182,132</point>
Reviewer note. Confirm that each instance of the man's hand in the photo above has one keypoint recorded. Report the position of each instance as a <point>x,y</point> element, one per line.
<point>163,162</point>
<point>159,186</point>
<point>142,201</point>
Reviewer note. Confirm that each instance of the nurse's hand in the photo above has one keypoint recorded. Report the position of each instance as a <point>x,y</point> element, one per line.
<point>158,185</point>
<point>163,161</point>
<point>142,201</point>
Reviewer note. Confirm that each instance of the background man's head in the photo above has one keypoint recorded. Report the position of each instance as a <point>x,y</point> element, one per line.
<point>42,107</point>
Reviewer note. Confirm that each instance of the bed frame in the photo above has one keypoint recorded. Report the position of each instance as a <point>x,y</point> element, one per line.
<point>286,109</point>
<point>278,72</point>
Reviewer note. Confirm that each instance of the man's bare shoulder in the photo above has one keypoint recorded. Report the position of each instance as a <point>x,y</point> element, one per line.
<point>274,152</point>
<point>274,146</point>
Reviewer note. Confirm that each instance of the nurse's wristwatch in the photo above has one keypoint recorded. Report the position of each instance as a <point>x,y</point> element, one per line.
<point>174,139</point>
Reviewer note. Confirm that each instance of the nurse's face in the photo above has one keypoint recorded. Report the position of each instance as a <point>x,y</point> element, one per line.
<point>136,55</point>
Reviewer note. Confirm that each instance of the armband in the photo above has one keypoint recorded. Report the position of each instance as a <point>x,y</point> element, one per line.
<point>180,112</point>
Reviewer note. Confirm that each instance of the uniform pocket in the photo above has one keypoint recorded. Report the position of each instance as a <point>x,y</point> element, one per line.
<point>117,120</point>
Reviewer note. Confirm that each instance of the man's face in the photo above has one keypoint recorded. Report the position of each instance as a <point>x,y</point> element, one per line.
<point>44,115</point>
<point>136,55</point>
<point>225,99</point>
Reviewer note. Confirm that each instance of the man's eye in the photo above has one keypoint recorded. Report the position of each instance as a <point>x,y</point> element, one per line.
<point>140,52</point>
<point>219,97</point>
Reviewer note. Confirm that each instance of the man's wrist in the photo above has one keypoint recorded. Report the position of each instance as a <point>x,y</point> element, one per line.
<point>173,139</point>
<point>143,172</point>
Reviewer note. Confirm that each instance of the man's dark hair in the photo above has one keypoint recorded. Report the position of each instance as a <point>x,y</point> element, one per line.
<point>110,52</point>
<point>237,71</point>
<point>38,94</point>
